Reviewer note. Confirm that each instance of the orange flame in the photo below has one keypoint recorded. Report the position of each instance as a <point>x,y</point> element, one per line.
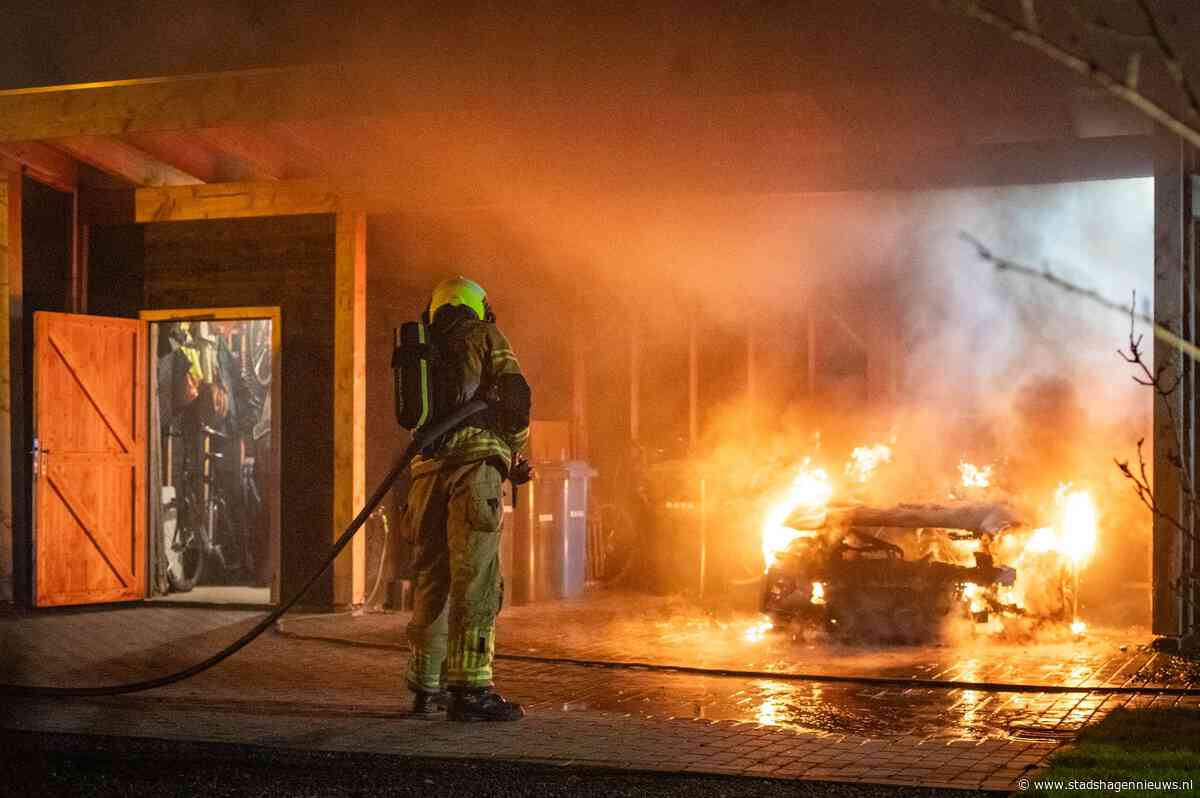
<point>809,492</point>
<point>973,476</point>
<point>865,459</point>
<point>817,597</point>
<point>1074,536</point>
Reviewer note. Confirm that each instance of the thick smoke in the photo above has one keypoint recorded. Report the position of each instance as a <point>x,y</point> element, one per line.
<point>918,343</point>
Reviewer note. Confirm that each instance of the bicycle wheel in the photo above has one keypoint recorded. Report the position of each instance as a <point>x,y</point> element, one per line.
<point>185,562</point>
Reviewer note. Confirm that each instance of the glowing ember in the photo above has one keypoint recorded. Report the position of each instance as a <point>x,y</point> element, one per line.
<point>818,593</point>
<point>758,631</point>
<point>865,459</point>
<point>973,476</point>
<point>808,493</point>
<point>972,593</point>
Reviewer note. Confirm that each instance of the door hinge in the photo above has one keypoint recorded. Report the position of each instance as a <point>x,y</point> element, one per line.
<point>37,458</point>
<point>1194,201</point>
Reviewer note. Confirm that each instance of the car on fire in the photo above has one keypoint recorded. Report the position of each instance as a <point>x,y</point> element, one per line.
<point>846,571</point>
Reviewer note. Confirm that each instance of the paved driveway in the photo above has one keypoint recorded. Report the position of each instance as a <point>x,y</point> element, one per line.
<point>335,684</point>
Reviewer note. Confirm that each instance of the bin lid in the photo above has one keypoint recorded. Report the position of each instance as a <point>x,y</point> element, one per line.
<point>571,469</point>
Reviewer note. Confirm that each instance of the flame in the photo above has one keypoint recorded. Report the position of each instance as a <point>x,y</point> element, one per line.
<point>809,492</point>
<point>1078,628</point>
<point>818,593</point>
<point>1074,536</point>
<point>1078,524</point>
<point>972,594</point>
<point>974,476</point>
<point>865,459</point>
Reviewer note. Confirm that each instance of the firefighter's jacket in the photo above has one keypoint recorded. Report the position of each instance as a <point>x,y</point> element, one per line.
<point>475,354</point>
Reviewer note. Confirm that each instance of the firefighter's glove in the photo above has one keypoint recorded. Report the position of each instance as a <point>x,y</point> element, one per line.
<point>521,472</point>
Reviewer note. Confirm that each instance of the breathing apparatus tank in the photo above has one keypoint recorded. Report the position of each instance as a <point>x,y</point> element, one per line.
<point>417,356</point>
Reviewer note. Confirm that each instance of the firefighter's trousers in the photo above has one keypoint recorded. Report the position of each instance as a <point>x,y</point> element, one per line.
<point>453,517</point>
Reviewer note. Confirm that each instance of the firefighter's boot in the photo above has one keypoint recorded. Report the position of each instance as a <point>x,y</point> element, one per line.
<point>427,704</point>
<point>481,703</point>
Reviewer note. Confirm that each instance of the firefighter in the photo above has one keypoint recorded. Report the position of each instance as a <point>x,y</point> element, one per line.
<point>454,510</point>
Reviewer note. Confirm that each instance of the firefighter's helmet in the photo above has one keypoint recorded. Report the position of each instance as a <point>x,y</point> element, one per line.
<point>460,291</point>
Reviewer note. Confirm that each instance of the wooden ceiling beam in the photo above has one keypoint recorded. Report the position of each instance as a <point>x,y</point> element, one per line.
<point>43,163</point>
<point>236,200</point>
<point>248,97</point>
<point>185,151</point>
<point>267,157</point>
<point>122,159</point>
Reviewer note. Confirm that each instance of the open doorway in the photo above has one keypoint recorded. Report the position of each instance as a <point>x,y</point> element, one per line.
<point>214,455</point>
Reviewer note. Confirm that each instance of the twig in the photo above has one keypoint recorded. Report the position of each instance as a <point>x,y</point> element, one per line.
<point>1101,25</point>
<point>1161,332</point>
<point>1077,63</point>
<point>1170,58</point>
<point>1141,478</point>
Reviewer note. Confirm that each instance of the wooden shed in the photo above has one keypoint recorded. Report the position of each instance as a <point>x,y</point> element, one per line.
<point>253,189</point>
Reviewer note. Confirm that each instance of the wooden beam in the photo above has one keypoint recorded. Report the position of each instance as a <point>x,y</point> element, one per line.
<point>236,200</point>
<point>349,403</point>
<point>119,158</point>
<point>9,263</point>
<point>44,164</point>
<point>248,97</point>
<point>266,158</point>
<point>184,150</point>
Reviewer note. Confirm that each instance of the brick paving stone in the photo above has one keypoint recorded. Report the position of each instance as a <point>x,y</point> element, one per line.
<point>287,692</point>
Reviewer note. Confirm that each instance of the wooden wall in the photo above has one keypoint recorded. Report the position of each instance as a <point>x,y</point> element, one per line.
<point>6,527</point>
<point>283,261</point>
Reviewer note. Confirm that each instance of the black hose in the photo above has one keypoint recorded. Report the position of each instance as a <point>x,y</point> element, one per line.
<point>791,676</point>
<point>419,441</point>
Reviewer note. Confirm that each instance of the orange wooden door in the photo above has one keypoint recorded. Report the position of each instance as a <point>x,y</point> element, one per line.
<point>89,424</point>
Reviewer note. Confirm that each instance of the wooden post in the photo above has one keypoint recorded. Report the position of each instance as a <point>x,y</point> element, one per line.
<point>751,376</point>
<point>811,362</point>
<point>79,255</point>
<point>579,420</point>
<point>635,383</point>
<point>1174,308</point>
<point>693,384</point>
<point>10,264</point>
<point>349,403</point>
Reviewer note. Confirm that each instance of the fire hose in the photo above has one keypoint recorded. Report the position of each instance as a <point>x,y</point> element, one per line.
<point>420,440</point>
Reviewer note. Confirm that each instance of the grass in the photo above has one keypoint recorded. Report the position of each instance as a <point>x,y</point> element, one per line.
<point>1131,745</point>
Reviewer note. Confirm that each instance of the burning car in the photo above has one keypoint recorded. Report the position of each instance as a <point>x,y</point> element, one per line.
<point>898,574</point>
<point>842,574</point>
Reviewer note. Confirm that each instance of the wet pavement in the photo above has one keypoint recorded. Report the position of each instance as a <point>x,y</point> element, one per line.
<point>336,683</point>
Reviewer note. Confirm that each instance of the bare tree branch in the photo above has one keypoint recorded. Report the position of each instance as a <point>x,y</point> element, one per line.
<point>1141,478</point>
<point>1101,25</point>
<point>1029,12</point>
<point>1170,58</point>
<point>1133,69</point>
<point>1077,63</point>
<point>1161,332</point>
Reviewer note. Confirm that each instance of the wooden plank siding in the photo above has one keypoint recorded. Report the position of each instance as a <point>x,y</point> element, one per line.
<point>287,262</point>
<point>7,239</point>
